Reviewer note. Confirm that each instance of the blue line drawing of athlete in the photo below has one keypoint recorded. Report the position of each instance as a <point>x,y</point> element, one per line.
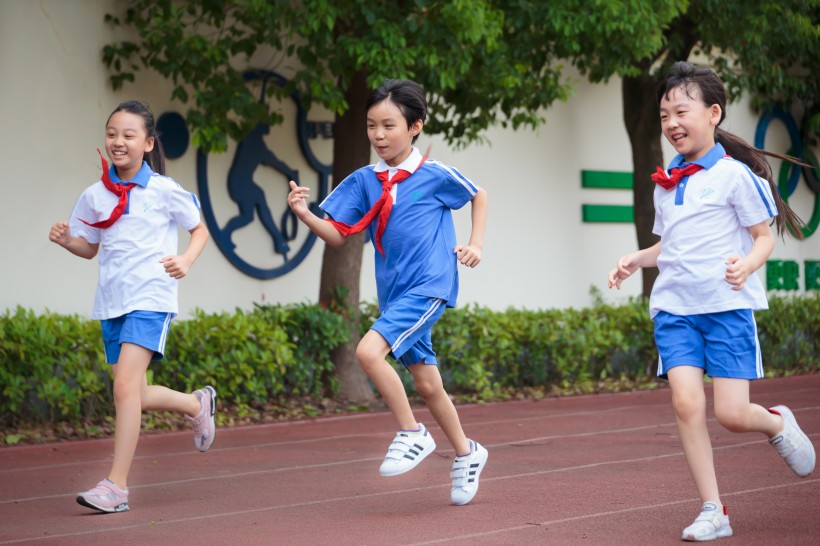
<point>247,194</point>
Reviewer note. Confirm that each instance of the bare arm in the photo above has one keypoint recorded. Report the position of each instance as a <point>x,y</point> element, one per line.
<point>61,234</point>
<point>628,264</point>
<point>297,201</point>
<point>178,266</point>
<point>470,255</point>
<point>738,269</point>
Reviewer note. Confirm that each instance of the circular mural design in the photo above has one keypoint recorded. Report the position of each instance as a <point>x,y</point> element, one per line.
<point>252,157</point>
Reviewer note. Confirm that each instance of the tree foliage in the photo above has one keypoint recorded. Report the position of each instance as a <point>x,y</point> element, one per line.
<point>483,62</point>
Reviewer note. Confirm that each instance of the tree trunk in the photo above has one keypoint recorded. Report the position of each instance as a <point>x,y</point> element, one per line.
<point>341,267</point>
<point>644,128</point>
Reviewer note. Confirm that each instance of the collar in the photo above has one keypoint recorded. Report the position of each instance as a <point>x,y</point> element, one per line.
<point>707,161</point>
<point>141,179</point>
<point>409,164</point>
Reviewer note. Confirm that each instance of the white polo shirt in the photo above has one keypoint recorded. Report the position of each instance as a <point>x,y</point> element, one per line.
<point>131,275</point>
<point>702,222</point>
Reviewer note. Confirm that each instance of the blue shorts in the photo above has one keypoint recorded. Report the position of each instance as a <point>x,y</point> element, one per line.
<point>407,326</point>
<point>147,329</point>
<point>722,344</point>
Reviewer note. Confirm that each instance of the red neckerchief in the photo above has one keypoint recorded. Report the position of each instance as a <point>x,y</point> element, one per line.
<point>382,208</point>
<point>668,182</point>
<point>120,190</point>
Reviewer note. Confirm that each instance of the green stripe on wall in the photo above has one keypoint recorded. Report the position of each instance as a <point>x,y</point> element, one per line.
<point>607,213</point>
<point>606,179</point>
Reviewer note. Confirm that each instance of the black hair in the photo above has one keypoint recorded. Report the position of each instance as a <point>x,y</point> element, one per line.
<point>687,77</point>
<point>406,94</point>
<point>156,157</point>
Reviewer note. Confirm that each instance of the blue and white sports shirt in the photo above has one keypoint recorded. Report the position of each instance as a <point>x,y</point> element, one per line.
<point>420,236</point>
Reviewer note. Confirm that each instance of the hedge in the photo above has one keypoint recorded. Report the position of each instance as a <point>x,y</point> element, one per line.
<point>52,367</point>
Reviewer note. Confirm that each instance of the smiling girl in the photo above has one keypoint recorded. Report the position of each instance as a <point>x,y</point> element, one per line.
<point>130,219</point>
<point>713,207</point>
<point>404,202</point>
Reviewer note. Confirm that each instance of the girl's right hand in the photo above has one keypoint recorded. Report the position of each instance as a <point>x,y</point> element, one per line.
<point>60,233</point>
<point>297,199</point>
<point>627,265</point>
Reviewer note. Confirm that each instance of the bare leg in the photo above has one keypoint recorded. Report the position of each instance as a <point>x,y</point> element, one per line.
<point>133,395</point>
<point>159,398</point>
<point>429,385</point>
<point>689,401</point>
<point>371,353</point>
<point>129,378</point>
<point>735,412</point>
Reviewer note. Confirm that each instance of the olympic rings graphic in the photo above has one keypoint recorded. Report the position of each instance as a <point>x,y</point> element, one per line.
<point>790,173</point>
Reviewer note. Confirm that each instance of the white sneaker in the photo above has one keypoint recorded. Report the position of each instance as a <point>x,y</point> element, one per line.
<point>407,450</point>
<point>792,444</point>
<point>465,473</point>
<point>709,525</point>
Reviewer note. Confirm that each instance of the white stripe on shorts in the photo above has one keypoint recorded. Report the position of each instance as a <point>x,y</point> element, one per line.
<point>758,353</point>
<point>164,336</point>
<point>407,333</point>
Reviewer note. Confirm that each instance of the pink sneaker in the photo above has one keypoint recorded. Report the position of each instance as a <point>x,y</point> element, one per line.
<point>203,423</point>
<point>106,497</point>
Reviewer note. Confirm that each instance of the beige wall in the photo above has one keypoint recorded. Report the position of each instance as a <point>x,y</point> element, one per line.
<point>55,98</point>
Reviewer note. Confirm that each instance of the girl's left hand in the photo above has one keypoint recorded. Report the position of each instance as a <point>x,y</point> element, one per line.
<point>736,272</point>
<point>468,255</point>
<point>176,266</point>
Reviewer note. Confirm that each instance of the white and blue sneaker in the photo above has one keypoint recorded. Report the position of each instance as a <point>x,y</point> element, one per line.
<point>465,473</point>
<point>407,450</point>
<point>710,524</point>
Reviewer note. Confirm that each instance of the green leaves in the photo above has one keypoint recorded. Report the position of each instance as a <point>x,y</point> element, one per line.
<point>489,353</point>
<point>52,366</point>
<point>52,369</point>
<point>482,60</point>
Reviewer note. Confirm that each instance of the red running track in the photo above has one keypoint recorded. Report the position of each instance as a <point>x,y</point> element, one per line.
<point>600,469</point>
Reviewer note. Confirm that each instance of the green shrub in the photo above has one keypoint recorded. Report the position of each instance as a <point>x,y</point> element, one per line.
<point>52,366</point>
<point>486,352</point>
<point>789,333</point>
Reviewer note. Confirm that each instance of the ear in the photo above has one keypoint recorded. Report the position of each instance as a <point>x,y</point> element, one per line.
<point>716,112</point>
<point>149,144</point>
<point>415,129</point>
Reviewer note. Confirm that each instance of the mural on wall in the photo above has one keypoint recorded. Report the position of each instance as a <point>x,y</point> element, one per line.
<point>785,274</point>
<point>252,155</point>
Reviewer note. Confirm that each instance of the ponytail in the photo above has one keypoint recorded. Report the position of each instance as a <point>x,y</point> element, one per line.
<point>755,159</point>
